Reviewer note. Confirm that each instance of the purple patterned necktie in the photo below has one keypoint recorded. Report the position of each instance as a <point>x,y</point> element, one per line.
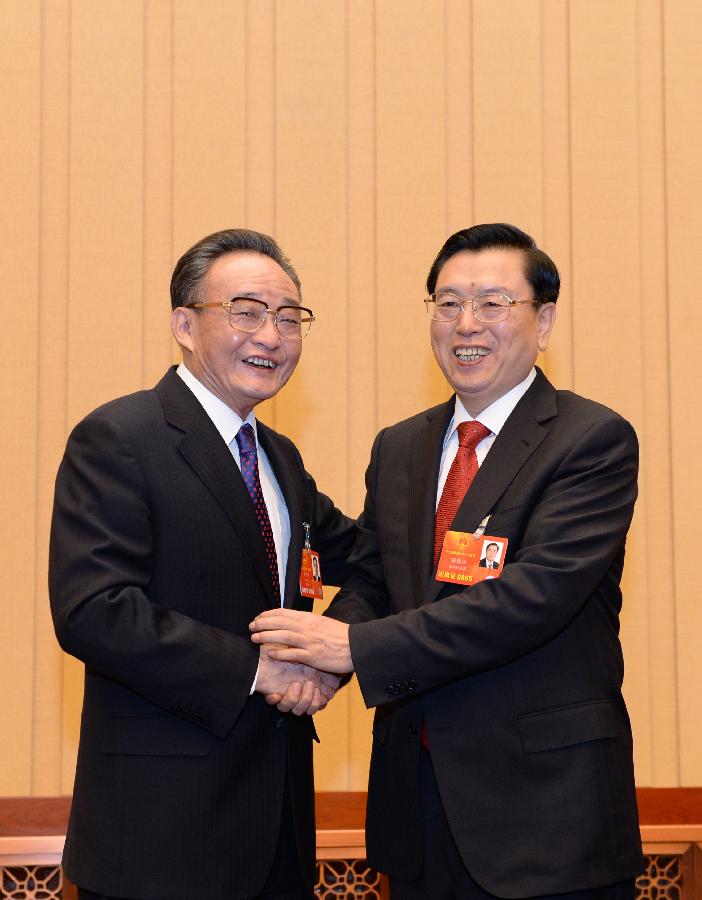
<point>246,441</point>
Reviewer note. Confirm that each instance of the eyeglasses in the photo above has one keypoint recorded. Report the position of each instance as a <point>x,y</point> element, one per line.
<point>245,314</point>
<point>488,308</point>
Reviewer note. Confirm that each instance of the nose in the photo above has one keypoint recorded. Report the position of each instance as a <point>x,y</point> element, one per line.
<point>466,322</point>
<point>268,334</point>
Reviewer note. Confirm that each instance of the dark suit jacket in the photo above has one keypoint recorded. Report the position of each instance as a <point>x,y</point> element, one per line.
<point>156,568</point>
<point>518,678</point>
<point>483,564</point>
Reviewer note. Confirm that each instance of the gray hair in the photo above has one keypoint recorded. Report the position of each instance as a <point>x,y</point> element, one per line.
<point>194,264</point>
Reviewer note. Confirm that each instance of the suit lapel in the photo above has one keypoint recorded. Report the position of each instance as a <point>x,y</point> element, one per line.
<point>289,484</point>
<point>211,460</point>
<point>425,460</point>
<point>520,436</point>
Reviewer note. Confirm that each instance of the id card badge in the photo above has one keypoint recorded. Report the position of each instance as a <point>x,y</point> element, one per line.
<point>470,558</point>
<point>310,570</point>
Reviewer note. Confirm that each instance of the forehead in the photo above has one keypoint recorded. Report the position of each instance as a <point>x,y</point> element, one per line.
<point>492,268</point>
<point>245,273</point>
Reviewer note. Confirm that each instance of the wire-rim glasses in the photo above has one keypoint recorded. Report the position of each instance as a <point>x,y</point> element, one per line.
<point>488,308</point>
<point>246,314</point>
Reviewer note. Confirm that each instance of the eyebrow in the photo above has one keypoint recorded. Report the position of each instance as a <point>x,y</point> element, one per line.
<point>490,289</point>
<point>256,295</point>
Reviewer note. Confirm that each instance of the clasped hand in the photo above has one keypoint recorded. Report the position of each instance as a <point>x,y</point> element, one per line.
<point>292,687</point>
<point>311,647</point>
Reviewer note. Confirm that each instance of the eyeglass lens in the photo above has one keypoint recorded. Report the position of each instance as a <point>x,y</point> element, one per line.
<point>246,314</point>
<point>486,307</point>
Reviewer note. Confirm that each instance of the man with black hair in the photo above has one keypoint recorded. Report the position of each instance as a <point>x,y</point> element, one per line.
<point>502,754</point>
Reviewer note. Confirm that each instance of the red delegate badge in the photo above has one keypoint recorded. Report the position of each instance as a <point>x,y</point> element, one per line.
<point>310,570</point>
<point>311,575</point>
<point>466,559</point>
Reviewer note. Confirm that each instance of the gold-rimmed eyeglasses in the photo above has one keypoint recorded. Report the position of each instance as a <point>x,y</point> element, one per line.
<point>246,314</point>
<point>487,308</point>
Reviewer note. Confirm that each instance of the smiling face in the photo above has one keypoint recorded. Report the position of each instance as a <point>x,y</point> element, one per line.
<point>482,362</point>
<point>240,368</point>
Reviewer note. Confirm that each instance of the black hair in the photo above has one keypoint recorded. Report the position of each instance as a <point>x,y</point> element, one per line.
<point>539,269</point>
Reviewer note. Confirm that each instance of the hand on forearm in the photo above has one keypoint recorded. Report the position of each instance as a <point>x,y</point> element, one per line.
<point>292,687</point>
<point>306,638</point>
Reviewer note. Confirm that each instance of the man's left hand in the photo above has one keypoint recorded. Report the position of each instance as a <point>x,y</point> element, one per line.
<point>309,639</point>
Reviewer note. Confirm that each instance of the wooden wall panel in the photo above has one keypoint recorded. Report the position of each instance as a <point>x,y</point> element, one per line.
<point>605,204</point>
<point>361,237</point>
<point>104,327</point>
<point>457,59</point>
<point>157,235</point>
<point>410,199</point>
<point>507,138</point>
<point>260,116</point>
<point>106,213</point>
<point>607,319</point>
<point>360,326</point>
<point>54,136</point>
<point>652,682</point>
<point>683,134</point>
<point>311,224</point>
<point>556,169</point>
<point>209,105</point>
<point>360,133</point>
<point>20,86</point>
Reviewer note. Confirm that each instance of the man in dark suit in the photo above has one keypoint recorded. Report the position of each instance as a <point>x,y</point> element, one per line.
<point>177,518</point>
<point>502,756</point>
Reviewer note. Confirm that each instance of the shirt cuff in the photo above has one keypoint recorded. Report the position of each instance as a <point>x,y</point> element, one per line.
<point>253,686</point>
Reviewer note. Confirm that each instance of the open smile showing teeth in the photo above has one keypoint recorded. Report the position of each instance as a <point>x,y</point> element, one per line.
<point>470,354</point>
<point>260,363</point>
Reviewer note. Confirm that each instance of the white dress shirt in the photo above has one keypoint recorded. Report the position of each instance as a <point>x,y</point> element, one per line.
<point>492,417</point>
<point>228,423</point>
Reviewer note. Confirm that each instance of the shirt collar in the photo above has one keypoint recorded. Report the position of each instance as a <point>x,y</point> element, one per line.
<point>225,420</point>
<point>495,415</point>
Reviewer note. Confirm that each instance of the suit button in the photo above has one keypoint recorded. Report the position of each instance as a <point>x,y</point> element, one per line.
<point>411,685</point>
<point>391,690</point>
<point>279,722</point>
<point>413,728</point>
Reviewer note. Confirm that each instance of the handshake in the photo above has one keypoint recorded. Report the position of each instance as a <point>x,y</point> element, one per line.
<point>302,657</point>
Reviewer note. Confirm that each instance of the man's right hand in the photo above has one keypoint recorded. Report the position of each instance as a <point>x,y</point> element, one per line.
<point>294,687</point>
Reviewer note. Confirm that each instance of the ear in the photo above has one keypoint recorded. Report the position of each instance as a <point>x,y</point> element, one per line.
<point>546,315</point>
<point>182,327</point>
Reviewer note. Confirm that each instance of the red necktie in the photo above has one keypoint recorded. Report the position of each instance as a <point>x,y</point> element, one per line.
<point>246,441</point>
<point>462,472</point>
